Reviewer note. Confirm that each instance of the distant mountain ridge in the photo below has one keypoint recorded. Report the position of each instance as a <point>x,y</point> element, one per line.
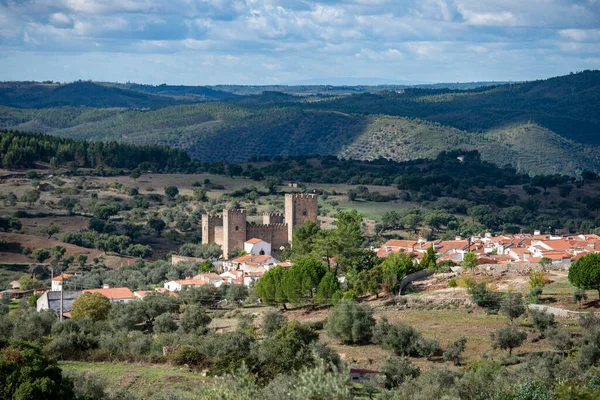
<point>547,126</point>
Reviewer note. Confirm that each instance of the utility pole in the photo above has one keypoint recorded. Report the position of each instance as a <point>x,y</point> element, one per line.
<point>62,292</point>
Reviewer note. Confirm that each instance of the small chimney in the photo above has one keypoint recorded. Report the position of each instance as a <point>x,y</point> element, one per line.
<point>537,233</point>
<point>457,238</point>
<point>488,235</point>
<point>106,286</point>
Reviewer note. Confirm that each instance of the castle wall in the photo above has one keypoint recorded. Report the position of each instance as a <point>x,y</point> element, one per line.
<point>276,234</point>
<point>234,231</point>
<point>273,218</point>
<point>299,209</point>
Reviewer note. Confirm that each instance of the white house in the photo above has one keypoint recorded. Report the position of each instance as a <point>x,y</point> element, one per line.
<point>210,278</point>
<point>57,282</point>
<point>178,285</point>
<point>257,247</point>
<point>250,263</point>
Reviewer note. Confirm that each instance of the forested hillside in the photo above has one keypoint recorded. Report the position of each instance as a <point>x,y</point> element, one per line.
<point>546,126</point>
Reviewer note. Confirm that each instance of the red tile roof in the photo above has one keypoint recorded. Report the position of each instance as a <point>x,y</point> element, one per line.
<point>113,293</point>
<point>61,277</point>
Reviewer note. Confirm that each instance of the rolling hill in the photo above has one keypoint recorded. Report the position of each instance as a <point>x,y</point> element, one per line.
<point>540,127</point>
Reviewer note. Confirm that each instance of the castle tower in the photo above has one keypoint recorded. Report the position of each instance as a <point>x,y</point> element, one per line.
<point>210,224</point>
<point>299,209</point>
<point>234,231</point>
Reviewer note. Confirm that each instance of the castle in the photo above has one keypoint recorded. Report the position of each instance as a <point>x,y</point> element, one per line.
<point>230,229</point>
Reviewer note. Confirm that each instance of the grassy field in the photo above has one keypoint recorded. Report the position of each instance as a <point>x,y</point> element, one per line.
<point>142,379</point>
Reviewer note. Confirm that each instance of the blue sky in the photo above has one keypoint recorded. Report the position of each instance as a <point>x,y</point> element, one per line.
<point>201,42</point>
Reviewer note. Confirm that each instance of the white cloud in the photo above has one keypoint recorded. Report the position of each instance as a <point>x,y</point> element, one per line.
<point>580,35</point>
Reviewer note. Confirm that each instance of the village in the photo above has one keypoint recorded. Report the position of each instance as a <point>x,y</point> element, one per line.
<point>527,250</point>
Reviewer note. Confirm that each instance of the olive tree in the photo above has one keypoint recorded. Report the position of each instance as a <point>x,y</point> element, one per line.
<point>507,338</point>
<point>350,322</point>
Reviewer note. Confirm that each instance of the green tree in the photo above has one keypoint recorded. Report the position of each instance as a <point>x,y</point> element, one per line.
<point>28,283</point>
<point>68,203</point>
<point>301,280</point>
<point>40,255</point>
<point>470,261</point>
<point>82,260</point>
<point>507,338</point>
<point>157,225</point>
<point>398,370</point>
<point>194,319</point>
<point>270,287</point>
<point>25,373</point>
<point>164,323</point>
<point>585,272</point>
<point>271,184</point>
<point>542,320</point>
<point>237,294</point>
<point>91,305</point>
<point>429,260</point>
<point>454,351</point>
<point>350,322</point>
<point>304,237</point>
<point>272,322</point>
<point>200,195</point>
<point>135,174</point>
<point>395,268</point>
<point>51,230</point>
<point>512,306</point>
<point>327,287</point>
<point>171,192</point>
<point>57,252</point>
<point>31,196</point>
<point>139,250</point>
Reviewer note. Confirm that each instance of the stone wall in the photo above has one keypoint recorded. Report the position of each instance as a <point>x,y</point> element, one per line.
<point>276,234</point>
<point>520,268</point>
<point>175,259</point>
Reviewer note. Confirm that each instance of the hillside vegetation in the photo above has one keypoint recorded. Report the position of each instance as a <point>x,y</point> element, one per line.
<point>539,127</point>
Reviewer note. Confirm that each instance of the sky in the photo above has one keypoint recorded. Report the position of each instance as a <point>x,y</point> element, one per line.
<point>207,42</point>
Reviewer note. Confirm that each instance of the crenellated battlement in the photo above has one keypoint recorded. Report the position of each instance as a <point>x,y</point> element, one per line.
<point>301,195</point>
<point>282,226</point>
<point>274,214</point>
<point>241,211</point>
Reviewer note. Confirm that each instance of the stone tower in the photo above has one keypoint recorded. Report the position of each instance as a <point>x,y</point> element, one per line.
<point>299,209</point>
<point>234,231</point>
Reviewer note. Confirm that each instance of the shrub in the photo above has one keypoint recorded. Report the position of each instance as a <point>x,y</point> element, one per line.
<point>428,347</point>
<point>272,322</point>
<point>194,319</point>
<point>402,339</point>
<point>454,351</point>
<point>397,370</point>
<point>350,322</point>
<point>542,320</point>
<point>164,323</point>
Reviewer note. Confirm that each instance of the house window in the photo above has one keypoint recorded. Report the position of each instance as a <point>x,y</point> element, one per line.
<point>262,252</point>
<point>304,212</point>
<point>237,228</point>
